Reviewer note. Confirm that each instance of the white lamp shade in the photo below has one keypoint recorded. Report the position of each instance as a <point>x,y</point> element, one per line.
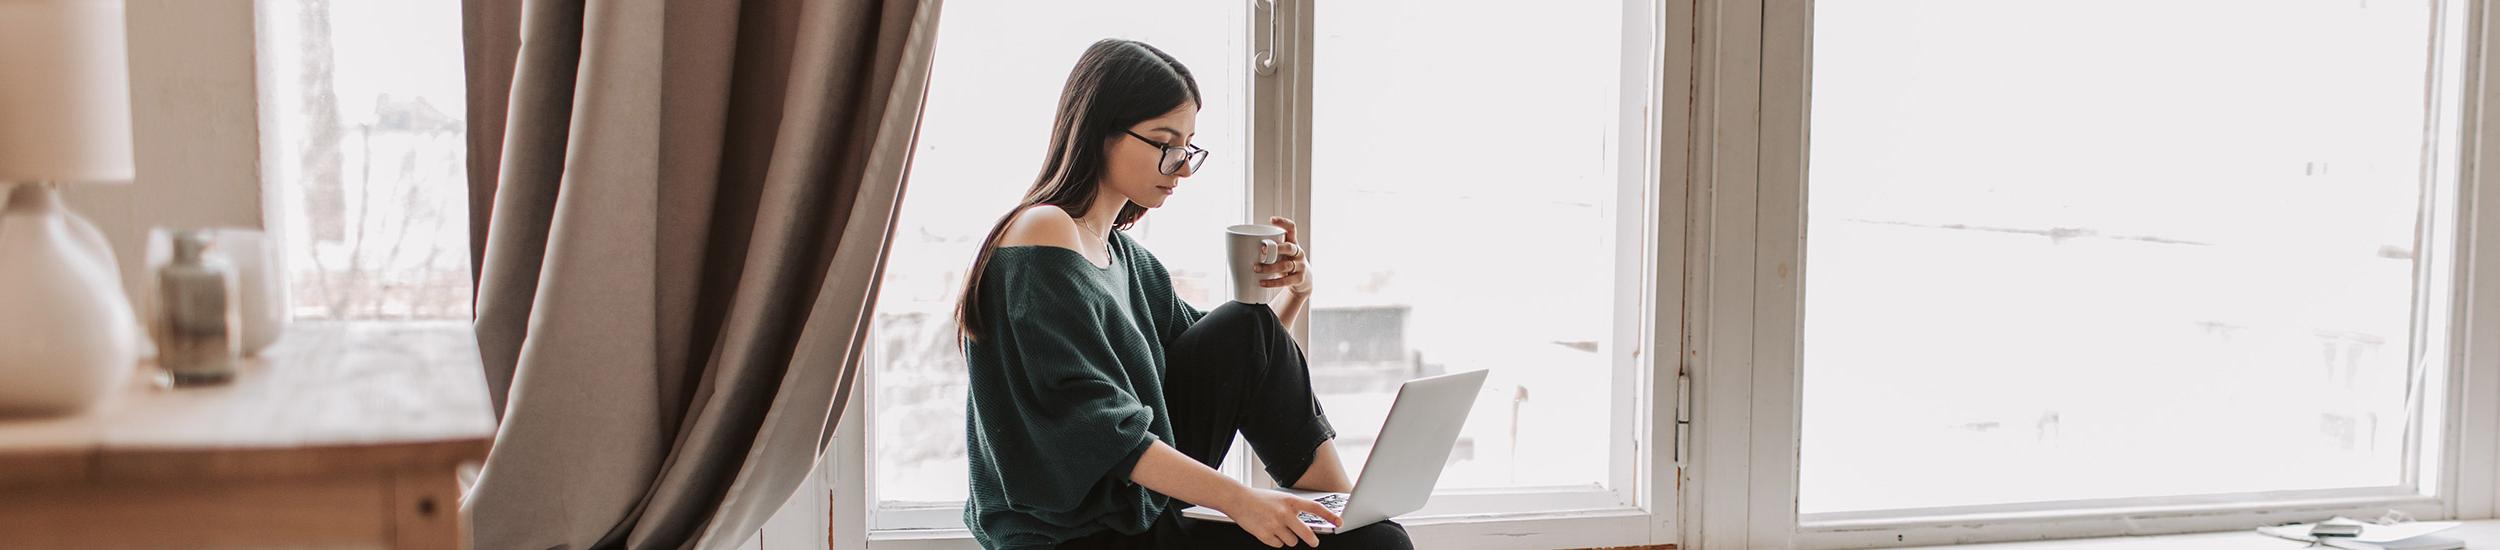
<point>64,92</point>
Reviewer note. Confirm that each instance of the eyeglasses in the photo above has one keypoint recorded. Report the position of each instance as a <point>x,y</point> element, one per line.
<point>1174,157</point>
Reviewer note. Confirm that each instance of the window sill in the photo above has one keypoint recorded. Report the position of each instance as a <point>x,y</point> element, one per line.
<point>2272,504</point>
<point>2146,518</point>
<point>1589,529</point>
<point>2476,534</point>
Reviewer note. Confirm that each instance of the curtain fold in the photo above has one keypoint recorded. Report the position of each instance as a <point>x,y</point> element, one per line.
<point>690,213</point>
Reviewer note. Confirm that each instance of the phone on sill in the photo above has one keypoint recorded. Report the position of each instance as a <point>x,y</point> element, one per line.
<point>2336,530</point>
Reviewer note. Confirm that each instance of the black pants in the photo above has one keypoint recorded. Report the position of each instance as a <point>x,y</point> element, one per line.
<point>1238,370</point>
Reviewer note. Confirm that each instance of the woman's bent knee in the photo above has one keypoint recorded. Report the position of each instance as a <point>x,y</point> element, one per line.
<point>1236,316</point>
<point>1232,328</point>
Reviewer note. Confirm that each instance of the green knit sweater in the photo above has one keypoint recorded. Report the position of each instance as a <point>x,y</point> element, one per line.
<point>1066,393</point>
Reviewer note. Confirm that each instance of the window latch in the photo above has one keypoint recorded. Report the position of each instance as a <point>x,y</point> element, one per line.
<point>1265,60</point>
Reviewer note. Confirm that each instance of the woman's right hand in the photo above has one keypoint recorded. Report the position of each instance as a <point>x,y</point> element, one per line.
<point>1275,517</point>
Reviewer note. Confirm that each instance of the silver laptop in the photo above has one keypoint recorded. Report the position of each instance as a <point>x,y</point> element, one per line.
<point>1406,459</point>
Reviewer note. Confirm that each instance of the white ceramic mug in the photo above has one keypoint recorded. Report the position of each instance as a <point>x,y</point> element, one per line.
<point>1246,247</point>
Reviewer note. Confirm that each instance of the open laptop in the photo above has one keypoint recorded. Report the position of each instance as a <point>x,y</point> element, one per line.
<point>1406,459</point>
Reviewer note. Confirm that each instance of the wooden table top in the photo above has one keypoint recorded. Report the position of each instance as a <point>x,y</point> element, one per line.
<point>329,398</point>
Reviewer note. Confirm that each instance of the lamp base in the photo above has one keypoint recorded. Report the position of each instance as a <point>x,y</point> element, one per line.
<point>68,337</point>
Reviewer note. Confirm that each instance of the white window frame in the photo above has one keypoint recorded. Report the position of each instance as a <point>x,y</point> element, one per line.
<point>1745,307</point>
<point>1639,505</point>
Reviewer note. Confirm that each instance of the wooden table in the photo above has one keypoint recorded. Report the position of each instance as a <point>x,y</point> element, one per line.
<point>343,435</point>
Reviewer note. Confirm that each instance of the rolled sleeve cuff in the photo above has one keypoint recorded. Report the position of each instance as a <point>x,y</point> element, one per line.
<point>1127,465</point>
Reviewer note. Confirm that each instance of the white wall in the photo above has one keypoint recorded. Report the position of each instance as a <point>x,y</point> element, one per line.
<point>194,124</point>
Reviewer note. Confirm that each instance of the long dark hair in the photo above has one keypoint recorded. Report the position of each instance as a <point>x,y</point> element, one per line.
<point>1116,84</point>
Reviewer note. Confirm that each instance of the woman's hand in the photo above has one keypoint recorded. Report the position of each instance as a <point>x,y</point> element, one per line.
<point>1291,269</point>
<point>1275,517</point>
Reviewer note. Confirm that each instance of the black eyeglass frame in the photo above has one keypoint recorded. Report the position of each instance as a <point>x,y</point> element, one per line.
<point>1173,157</point>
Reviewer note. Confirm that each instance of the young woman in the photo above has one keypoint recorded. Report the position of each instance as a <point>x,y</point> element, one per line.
<point>1100,403</point>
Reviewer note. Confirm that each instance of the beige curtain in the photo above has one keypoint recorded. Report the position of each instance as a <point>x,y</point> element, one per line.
<point>680,212</point>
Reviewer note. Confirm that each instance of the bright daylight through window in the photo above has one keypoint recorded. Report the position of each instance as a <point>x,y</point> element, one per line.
<point>1461,236</point>
<point>2186,262</point>
<point>367,162</point>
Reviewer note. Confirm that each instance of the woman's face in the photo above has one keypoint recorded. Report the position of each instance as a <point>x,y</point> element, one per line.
<point>1135,169</point>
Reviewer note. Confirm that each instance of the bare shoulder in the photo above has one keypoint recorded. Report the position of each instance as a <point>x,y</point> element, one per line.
<point>1042,225</point>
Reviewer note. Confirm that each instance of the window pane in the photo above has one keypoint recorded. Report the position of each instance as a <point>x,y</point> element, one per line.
<point>1464,198</point>
<point>983,135</point>
<point>367,163</point>
<point>2047,265</point>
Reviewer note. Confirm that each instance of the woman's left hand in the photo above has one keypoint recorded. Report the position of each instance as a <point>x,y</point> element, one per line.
<point>1292,269</point>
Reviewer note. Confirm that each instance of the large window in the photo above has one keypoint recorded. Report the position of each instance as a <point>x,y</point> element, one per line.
<point>1474,205</point>
<point>2150,265</point>
<point>1469,204</point>
<point>365,156</point>
<point>1982,270</point>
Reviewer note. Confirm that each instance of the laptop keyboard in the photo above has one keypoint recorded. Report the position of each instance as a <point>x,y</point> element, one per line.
<point>1335,504</point>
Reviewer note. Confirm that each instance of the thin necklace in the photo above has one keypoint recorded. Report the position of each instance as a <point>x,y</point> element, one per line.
<point>1105,232</point>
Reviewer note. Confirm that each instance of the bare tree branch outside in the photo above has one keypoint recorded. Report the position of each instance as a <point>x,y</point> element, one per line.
<point>370,188</point>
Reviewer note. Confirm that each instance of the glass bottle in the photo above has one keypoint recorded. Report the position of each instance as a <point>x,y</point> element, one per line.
<point>196,319</point>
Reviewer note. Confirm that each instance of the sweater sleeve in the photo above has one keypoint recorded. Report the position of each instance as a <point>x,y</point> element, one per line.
<point>1172,314</point>
<point>1059,415</point>
<point>1181,315</point>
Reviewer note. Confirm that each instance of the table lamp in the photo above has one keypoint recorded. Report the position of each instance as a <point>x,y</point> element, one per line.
<point>67,335</point>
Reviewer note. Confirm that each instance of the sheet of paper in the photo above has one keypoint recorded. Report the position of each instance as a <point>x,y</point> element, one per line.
<point>2401,531</point>
<point>2370,533</point>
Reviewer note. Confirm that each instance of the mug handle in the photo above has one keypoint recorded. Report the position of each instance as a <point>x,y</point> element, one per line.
<point>1267,251</point>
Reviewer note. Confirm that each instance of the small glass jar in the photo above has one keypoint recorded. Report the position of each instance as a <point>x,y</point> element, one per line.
<point>197,318</point>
